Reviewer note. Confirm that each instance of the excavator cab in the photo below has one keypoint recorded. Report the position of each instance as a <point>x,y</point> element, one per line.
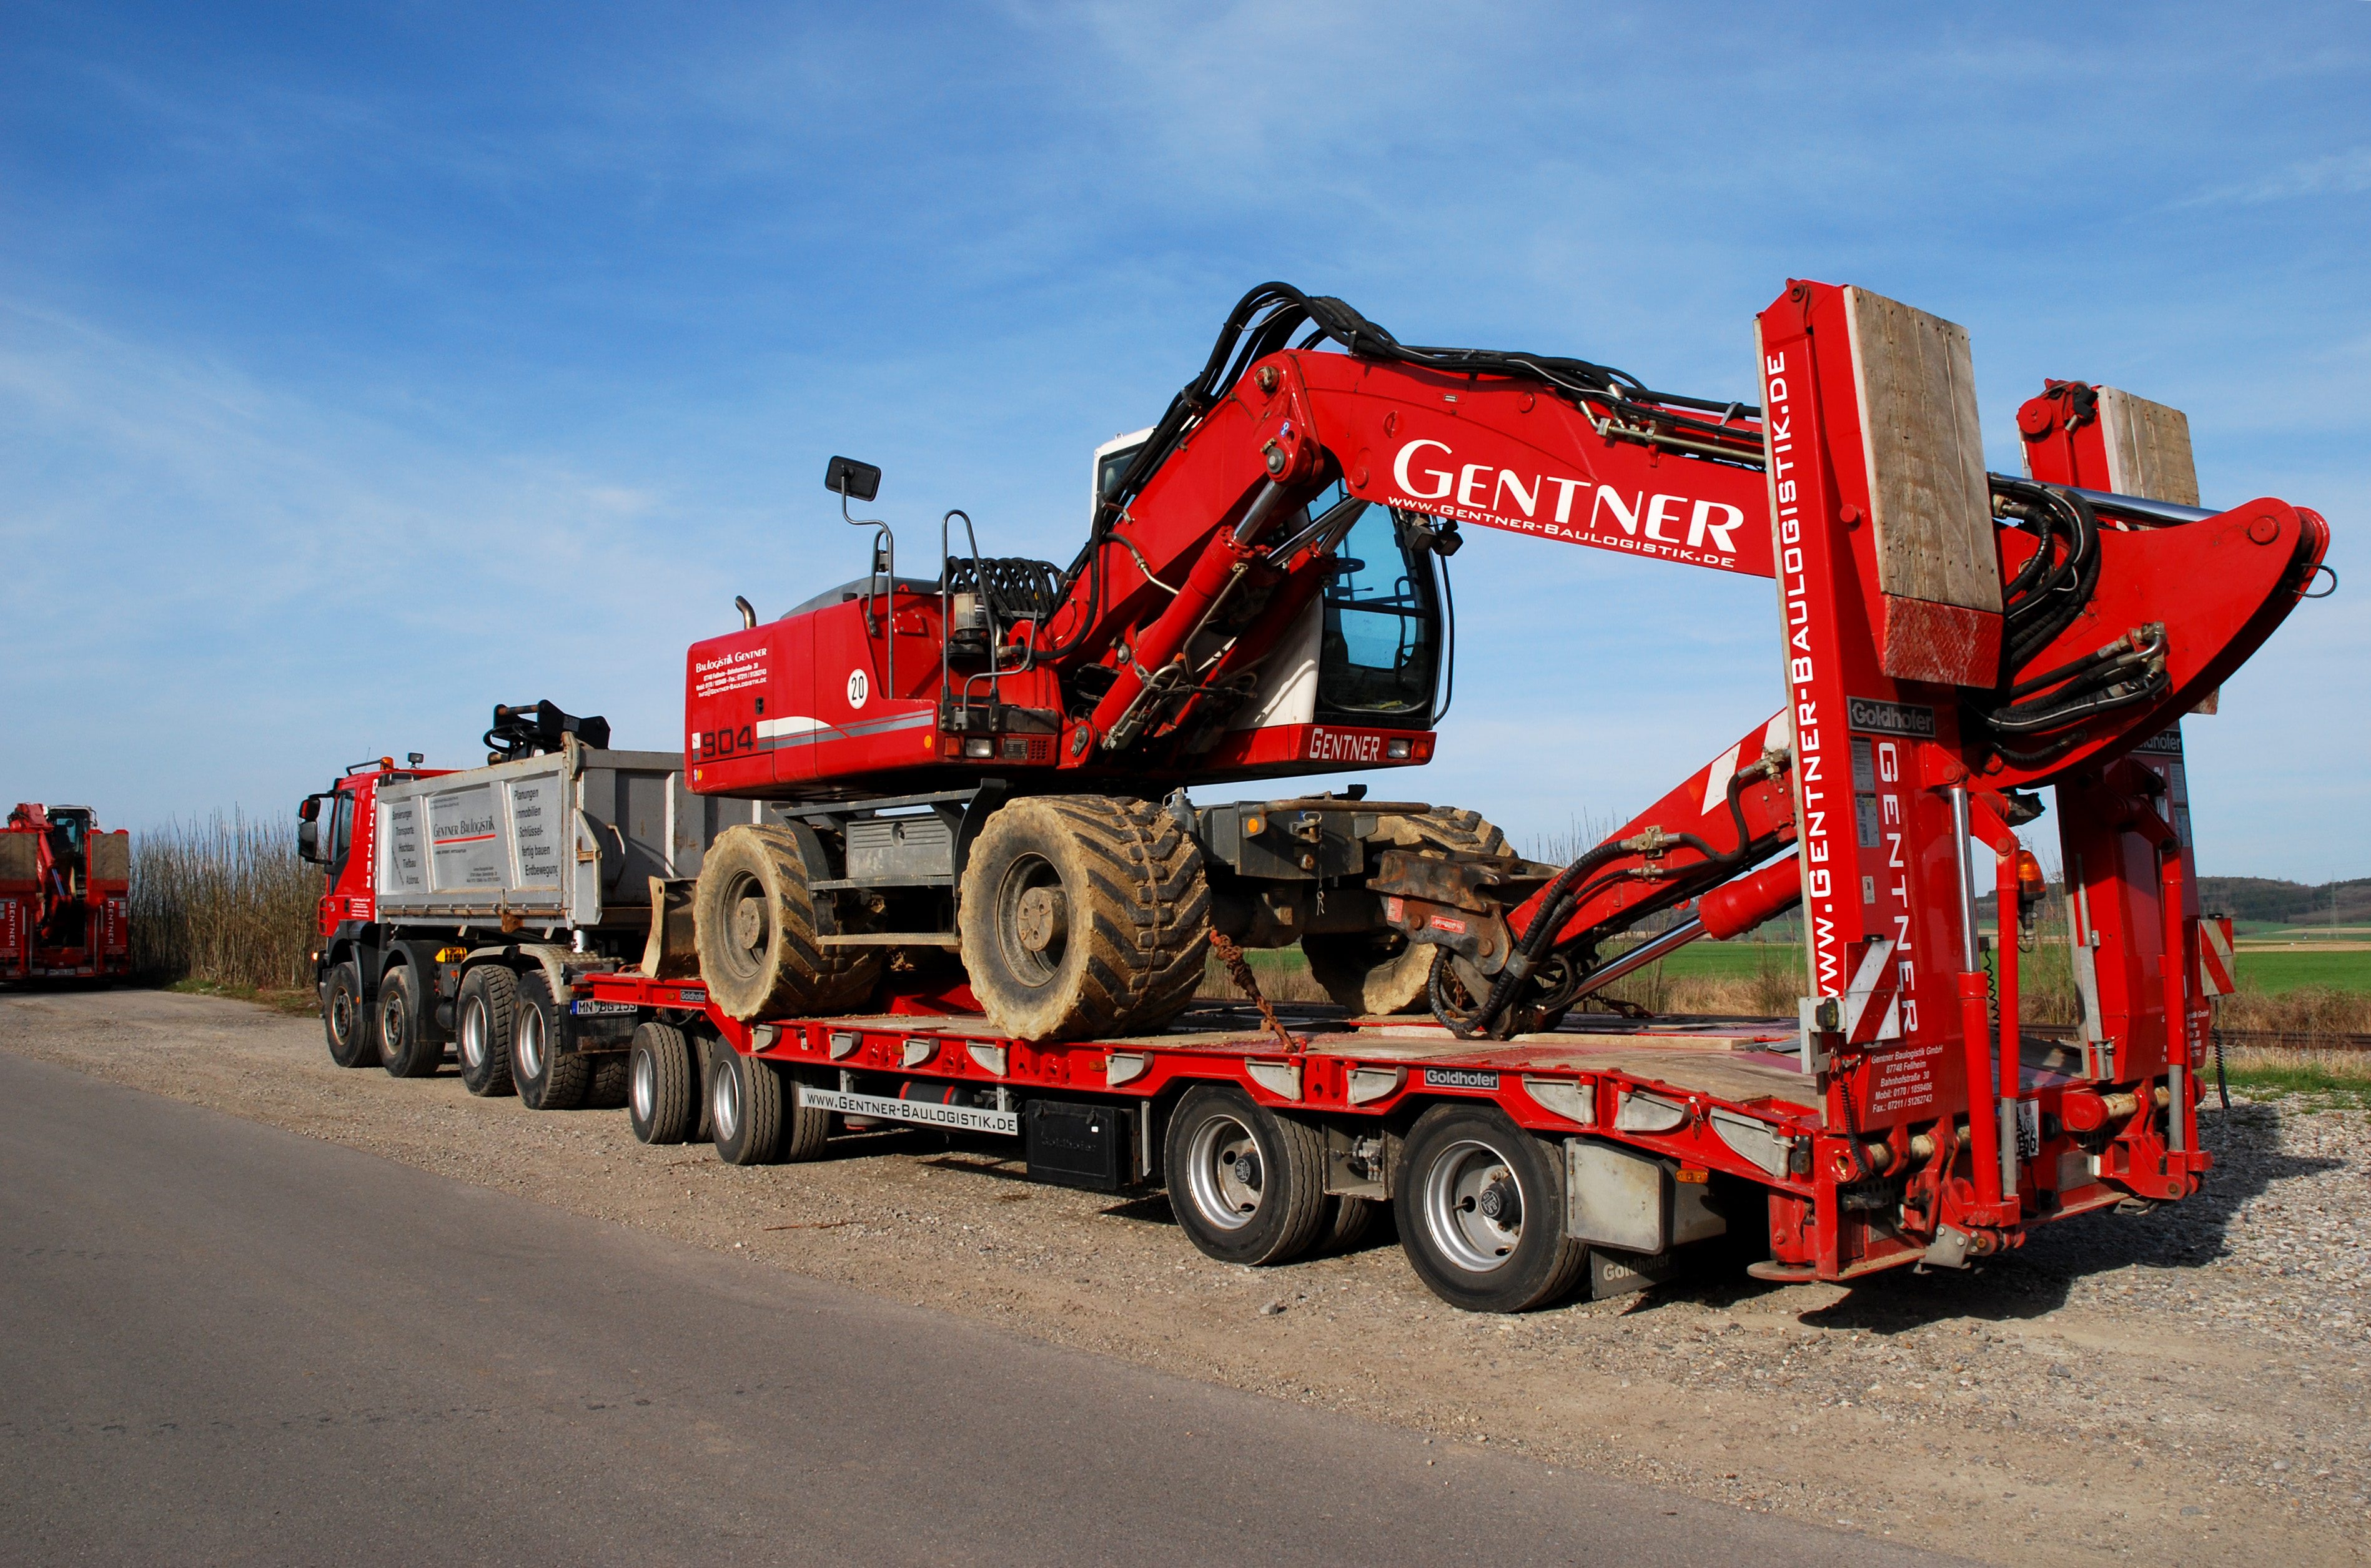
<point>1381,626</point>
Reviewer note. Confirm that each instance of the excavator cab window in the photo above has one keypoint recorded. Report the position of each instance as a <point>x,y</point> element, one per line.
<point>1380,659</point>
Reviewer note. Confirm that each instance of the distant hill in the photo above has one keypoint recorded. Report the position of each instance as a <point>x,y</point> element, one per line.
<point>2287,903</point>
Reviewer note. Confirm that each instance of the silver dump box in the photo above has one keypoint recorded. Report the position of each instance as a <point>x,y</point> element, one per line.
<point>572,837</point>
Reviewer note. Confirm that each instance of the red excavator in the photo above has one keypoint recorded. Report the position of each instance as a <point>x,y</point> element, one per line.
<point>994,760</point>
<point>65,889</point>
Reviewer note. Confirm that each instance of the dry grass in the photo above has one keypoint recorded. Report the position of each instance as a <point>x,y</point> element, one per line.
<point>224,902</point>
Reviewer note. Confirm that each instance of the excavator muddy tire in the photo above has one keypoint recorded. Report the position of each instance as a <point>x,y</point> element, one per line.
<point>756,924</point>
<point>1376,974</point>
<point>1083,915</point>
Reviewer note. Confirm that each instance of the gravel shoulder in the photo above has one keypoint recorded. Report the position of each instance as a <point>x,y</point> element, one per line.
<point>2191,1383</point>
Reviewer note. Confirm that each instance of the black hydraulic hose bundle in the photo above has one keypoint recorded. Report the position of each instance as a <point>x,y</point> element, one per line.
<point>1264,321</point>
<point>2031,721</point>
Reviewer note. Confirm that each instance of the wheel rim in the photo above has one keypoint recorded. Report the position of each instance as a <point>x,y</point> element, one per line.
<point>341,1015</point>
<point>750,927</point>
<point>1224,1174</point>
<point>643,1086</point>
<point>1032,921</point>
<point>473,1034</point>
<point>1473,1205</point>
<point>725,1104</point>
<point>391,1025</point>
<point>530,1042</point>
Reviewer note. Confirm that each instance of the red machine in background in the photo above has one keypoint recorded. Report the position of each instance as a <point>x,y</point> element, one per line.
<point>66,892</point>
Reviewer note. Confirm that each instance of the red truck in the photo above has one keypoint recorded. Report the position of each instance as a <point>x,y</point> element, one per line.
<point>65,895</point>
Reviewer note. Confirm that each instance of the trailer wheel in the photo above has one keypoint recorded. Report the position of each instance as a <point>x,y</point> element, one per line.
<point>755,924</point>
<point>407,1048</point>
<point>1083,915</point>
<point>663,1084</point>
<point>611,1082</point>
<point>1480,1206</point>
<point>548,1078</point>
<point>1349,1221</point>
<point>353,1040</point>
<point>486,1005</point>
<point>1247,1186</point>
<point>744,1107</point>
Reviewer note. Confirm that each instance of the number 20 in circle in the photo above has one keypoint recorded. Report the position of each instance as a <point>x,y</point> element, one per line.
<point>857,688</point>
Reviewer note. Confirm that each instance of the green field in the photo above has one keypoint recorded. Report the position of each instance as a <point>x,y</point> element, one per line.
<point>2275,970</point>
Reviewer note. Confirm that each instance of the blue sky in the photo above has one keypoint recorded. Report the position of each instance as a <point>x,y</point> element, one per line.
<point>361,366</point>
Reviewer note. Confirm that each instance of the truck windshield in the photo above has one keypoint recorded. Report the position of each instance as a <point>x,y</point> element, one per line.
<point>1382,648</point>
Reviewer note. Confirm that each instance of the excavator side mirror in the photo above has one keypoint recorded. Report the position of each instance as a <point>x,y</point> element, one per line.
<point>857,481</point>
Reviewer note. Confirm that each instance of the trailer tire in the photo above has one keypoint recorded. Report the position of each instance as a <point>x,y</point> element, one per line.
<point>1349,1221</point>
<point>548,1078</point>
<point>1083,915</point>
<point>481,1030</point>
<point>744,1107</point>
<point>1480,1207</point>
<point>663,1084</point>
<point>1247,1186</point>
<point>352,1032</point>
<point>408,1047</point>
<point>756,924</point>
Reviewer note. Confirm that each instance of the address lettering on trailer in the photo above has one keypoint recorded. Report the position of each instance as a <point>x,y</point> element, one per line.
<point>1459,1078</point>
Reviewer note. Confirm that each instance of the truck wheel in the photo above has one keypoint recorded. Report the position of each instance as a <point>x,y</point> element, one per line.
<point>744,1107</point>
<point>607,1088</point>
<point>754,924</point>
<point>1083,915</point>
<point>548,1078</point>
<point>663,1084</point>
<point>1480,1204</point>
<point>354,1042</point>
<point>1247,1186</point>
<point>407,1048</point>
<point>1377,973</point>
<point>488,1002</point>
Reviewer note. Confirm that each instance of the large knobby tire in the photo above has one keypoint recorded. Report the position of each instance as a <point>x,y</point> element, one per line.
<point>1481,1209</point>
<point>481,1030</point>
<point>663,1084</point>
<point>1083,916</point>
<point>1377,973</point>
<point>409,1046</point>
<point>352,1032</point>
<point>1247,1185</point>
<point>548,1078</point>
<point>745,1109</point>
<point>754,922</point>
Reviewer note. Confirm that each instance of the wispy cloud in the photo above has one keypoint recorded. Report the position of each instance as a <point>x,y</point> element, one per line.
<point>2346,173</point>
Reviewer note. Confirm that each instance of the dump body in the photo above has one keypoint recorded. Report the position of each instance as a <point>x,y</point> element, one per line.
<point>569,839</point>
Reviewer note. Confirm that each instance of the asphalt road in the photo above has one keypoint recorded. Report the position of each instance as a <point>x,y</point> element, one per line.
<point>222,1342</point>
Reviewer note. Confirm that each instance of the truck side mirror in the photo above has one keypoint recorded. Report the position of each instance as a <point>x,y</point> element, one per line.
<point>309,841</point>
<point>855,481</point>
<point>309,809</point>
